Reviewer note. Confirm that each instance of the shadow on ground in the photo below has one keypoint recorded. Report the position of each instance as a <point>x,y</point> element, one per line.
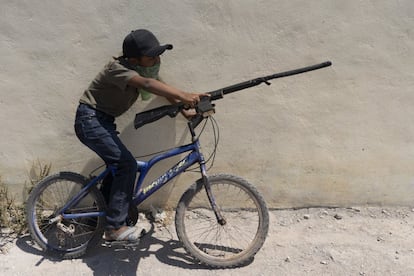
<point>121,261</point>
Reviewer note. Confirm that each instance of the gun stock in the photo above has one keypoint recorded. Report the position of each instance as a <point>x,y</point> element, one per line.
<point>155,114</point>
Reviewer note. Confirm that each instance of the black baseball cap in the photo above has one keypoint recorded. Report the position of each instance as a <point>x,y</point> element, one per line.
<point>143,43</point>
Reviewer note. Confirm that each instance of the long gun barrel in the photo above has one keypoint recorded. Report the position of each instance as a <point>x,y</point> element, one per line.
<point>218,94</point>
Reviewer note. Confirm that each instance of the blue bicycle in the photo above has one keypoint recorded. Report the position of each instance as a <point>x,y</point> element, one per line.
<point>221,220</point>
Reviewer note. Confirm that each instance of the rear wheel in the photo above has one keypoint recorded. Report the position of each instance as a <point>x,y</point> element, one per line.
<point>68,238</point>
<point>246,222</point>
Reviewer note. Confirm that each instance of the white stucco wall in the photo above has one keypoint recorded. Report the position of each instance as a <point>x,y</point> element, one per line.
<point>338,136</point>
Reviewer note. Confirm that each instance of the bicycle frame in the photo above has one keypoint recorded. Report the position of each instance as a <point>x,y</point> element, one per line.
<point>141,194</point>
<point>195,156</point>
<point>209,243</point>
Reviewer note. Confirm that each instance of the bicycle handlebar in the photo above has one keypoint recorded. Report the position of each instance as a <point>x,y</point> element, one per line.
<point>155,114</point>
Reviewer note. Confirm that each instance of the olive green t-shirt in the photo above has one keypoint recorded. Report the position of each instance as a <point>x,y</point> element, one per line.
<point>109,92</point>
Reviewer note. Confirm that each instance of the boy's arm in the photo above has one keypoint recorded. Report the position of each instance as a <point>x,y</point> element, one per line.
<point>161,89</point>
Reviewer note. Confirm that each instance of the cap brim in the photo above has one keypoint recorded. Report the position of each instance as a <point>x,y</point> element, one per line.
<point>156,51</point>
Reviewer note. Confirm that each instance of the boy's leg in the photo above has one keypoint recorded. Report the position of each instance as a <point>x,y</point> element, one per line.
<point>99,133</point>
<point>121,188</point>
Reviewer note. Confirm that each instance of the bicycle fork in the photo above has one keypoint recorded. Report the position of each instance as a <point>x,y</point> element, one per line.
<point>210,196</point>
<point>211,199</point>
<point>204,179</point>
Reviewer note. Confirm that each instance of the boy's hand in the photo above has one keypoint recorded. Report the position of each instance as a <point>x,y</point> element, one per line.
<point>188,113</point>
<point>192,98</point>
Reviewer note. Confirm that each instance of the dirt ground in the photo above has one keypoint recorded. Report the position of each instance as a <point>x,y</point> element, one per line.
<point>315,241</point>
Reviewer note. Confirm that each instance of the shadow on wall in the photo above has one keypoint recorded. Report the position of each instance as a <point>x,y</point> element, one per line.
<point>151,138</point>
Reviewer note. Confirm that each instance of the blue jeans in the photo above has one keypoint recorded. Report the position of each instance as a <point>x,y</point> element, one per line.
<point>97,131</point>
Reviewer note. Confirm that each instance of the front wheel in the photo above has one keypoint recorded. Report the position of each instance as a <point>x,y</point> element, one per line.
<point>246,222</point>
<point>68,238</point>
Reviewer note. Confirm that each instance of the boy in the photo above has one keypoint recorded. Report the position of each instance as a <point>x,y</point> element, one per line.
<point>111,93</point>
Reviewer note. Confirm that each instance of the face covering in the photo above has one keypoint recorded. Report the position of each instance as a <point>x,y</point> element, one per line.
<point>147,72</point>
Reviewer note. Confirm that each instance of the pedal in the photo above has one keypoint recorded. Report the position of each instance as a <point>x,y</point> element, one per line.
<point>125,244</point>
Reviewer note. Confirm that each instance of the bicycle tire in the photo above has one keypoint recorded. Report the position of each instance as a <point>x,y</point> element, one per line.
<point>49,196</point>
<point>222,246</point>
